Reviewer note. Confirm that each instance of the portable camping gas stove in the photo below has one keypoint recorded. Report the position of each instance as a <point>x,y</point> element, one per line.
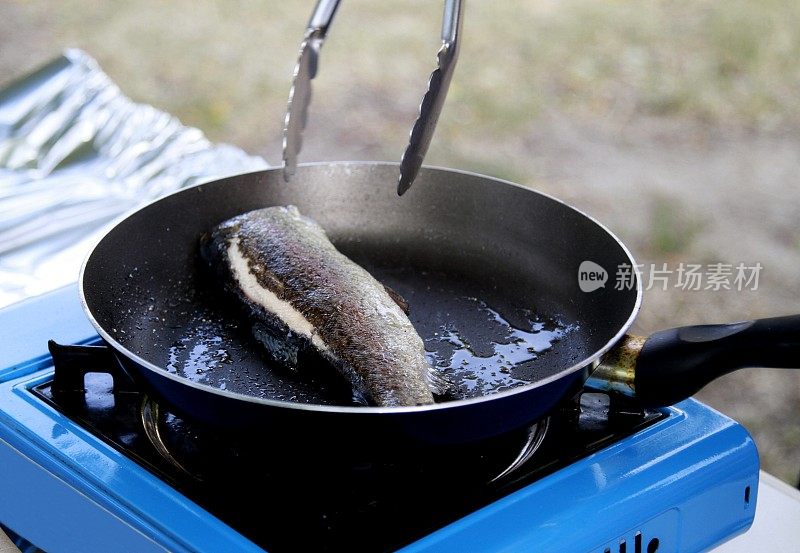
<point>89,463</point>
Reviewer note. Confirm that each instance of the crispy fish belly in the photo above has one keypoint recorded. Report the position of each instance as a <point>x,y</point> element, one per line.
<point>302,294</point>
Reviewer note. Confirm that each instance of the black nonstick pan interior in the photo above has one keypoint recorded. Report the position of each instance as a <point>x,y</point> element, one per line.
<point>491,280</point>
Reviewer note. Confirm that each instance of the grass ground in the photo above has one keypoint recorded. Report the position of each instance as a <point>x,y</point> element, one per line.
<point>673,122</point>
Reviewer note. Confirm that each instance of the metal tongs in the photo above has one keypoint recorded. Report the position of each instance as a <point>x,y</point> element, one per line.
<point>429,109</point>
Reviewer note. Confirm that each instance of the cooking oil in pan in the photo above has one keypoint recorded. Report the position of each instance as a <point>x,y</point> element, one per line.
<point>494,365</point>
<point>202,349</point>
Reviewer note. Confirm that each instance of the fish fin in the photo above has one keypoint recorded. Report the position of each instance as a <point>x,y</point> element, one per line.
<point>359,398</point>
<point>441,386</point>
<point>397,298</point>
<point>279,349</point>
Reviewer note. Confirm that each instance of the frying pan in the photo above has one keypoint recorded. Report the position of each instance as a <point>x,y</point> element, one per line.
<point>478,259</point>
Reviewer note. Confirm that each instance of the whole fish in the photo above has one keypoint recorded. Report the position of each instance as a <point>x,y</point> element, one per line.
<point>302,294</point>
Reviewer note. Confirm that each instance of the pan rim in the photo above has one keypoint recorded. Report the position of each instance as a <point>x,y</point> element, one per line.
<point>373,410</point>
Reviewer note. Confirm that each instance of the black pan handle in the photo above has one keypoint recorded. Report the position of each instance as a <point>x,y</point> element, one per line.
<point>674,364</point>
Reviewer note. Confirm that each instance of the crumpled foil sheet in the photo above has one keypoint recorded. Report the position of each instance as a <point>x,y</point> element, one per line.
<point>75,154</point>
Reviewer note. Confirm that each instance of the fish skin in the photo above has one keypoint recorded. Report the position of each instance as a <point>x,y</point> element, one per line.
<point>356,324</point>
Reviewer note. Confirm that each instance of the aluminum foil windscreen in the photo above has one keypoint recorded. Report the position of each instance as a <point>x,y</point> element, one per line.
<point>75,153</point>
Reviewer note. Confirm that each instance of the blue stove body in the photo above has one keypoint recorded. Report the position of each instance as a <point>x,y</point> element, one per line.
<point>685,483</point>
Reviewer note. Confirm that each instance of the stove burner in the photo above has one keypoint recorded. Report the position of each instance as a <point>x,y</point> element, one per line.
<point>152,419</point>
<point>204,454</point>
<point>536,434</point>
